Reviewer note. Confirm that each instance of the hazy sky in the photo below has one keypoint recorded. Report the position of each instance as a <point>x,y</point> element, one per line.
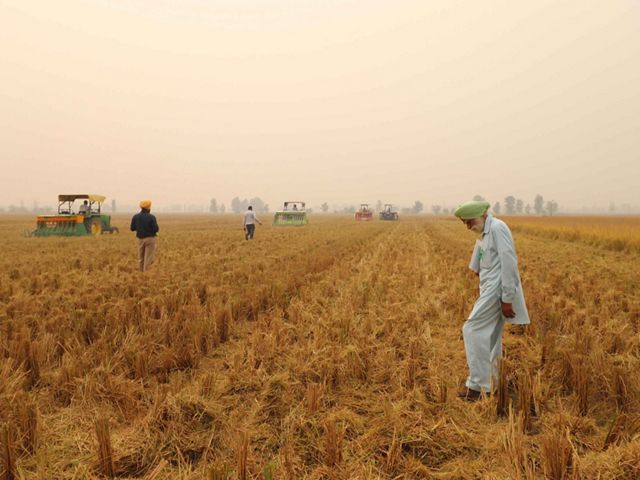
<point>332,100</point>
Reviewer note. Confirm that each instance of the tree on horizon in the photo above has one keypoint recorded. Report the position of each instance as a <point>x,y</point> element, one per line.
<point>551,207</point>
<point>538,204</point>
<point>510,205</point>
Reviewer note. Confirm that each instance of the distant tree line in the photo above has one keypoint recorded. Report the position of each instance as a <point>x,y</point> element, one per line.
<point>417,208</point>
<point>239,205</point>
<point>511,205</point>
<point>514,206</point>
<point>214,208</point>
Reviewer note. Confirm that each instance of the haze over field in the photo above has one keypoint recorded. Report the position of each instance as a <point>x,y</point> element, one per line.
<point>338,101</point>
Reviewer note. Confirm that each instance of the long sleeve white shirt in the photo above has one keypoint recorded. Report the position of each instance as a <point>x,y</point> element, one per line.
<point>498,263</point>
<point>499,277</point>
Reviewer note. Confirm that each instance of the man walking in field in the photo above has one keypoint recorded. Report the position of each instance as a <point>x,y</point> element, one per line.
<point>501,297</point>
<point>249,223</point>
<point>146,228</point>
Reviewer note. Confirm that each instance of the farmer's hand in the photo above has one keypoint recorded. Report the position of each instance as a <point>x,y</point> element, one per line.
<point>507,310</point>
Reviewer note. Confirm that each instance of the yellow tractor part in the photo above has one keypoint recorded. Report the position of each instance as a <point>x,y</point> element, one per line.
<point>96,227</point>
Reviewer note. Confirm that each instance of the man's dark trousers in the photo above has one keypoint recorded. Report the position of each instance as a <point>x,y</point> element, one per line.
<point>250,229</point>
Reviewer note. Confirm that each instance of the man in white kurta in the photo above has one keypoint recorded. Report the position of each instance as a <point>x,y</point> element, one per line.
<point>501,298</point>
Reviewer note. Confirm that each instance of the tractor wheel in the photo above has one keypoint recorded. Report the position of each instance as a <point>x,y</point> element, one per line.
<point>96,227</point>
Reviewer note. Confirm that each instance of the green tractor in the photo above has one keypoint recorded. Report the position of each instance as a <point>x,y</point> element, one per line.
<point>69,222</point>
<point>293,214</point>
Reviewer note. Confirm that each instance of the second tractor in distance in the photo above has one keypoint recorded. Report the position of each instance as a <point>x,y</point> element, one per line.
<point>364,214</point>
<point>388,213</point>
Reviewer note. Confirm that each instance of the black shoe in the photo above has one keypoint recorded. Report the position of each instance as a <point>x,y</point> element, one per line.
<point>471,395</point>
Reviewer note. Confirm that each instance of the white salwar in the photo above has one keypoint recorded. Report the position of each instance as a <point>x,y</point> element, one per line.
<point>499,282</point>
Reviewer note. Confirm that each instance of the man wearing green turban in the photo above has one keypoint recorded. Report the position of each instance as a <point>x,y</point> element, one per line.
<point>501,297</point>
<point>471,210</point>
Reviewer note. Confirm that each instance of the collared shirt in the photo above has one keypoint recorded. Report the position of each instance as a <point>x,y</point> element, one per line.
<point>498,261</point>
<point>249,218</point>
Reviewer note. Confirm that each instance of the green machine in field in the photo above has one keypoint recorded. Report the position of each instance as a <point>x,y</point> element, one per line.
<point>87,219</point>
<point>293,214</point>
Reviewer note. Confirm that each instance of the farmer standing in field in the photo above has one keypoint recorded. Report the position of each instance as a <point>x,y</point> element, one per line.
<point>146,228</point>
<point>249,223</point>
<point>501,297</point>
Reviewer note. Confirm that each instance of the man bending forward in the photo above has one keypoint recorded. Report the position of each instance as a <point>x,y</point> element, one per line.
<point>501,298</point>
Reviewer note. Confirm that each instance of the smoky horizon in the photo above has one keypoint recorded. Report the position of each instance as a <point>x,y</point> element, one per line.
<point>344,102</point>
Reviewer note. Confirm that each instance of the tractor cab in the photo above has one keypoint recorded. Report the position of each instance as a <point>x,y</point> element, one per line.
<point>364,214</point>
<point>388,213</point>
<point>78,215</point>
<point>292,214</point>
<point>92,204</point>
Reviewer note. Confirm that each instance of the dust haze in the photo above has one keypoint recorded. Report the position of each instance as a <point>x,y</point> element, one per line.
<point>335,101</point>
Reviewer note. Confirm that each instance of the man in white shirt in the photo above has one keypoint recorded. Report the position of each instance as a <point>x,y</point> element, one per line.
<point>84,208</point>
<point>249,223</point>
<point>501,298</point>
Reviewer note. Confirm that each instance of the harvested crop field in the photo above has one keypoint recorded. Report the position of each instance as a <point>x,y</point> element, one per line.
<point>327,351</point>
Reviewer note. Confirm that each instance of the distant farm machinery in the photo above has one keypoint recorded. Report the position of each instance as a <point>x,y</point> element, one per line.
<point>87,219</point>
<point>364,214</point>
<point>292,214</point>
<point>388,213</point>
